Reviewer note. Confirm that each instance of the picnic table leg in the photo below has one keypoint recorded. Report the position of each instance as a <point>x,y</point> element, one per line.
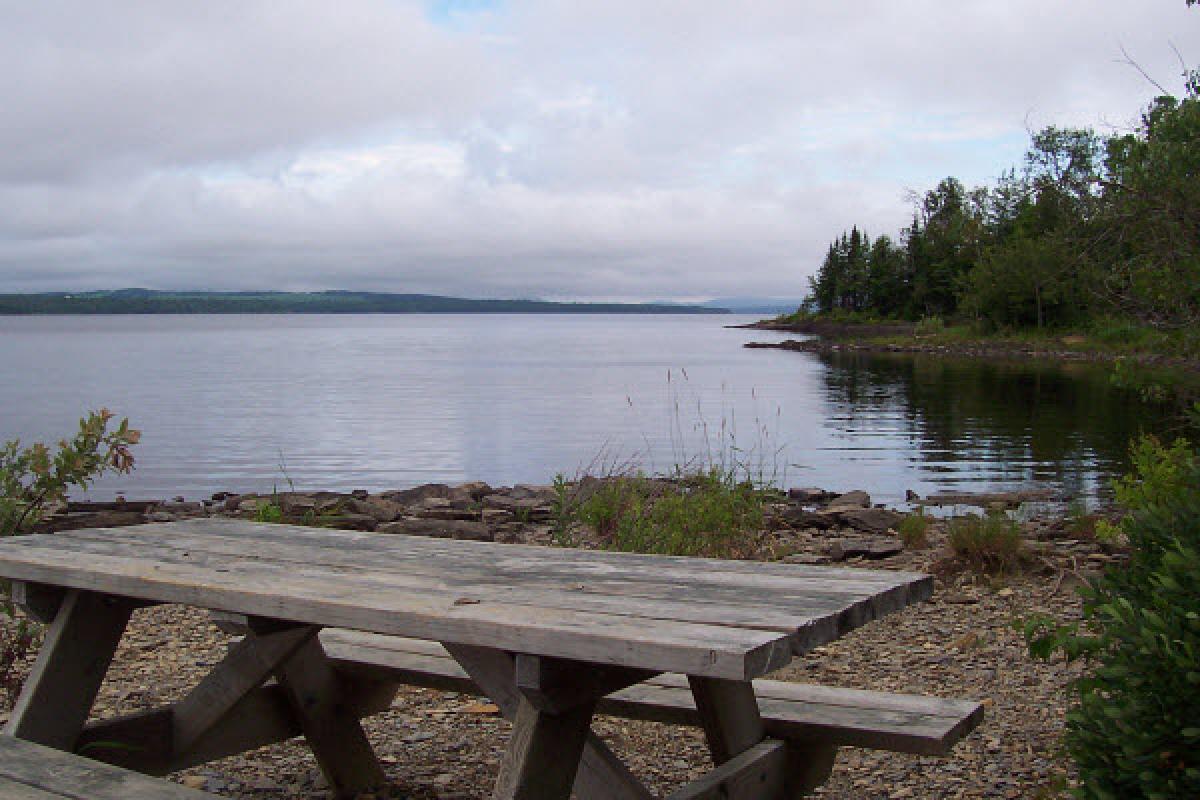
<point>329,722</point>
<point>733,726</point>
<point>61,689</point>
<point>602,775</point>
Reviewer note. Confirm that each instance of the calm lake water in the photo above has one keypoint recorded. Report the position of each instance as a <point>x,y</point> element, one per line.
<point>246,403</point>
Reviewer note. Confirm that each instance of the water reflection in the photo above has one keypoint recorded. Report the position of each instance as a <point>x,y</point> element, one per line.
<point>1059,423</point>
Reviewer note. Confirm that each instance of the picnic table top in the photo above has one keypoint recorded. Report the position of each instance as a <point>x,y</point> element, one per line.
<point>707,617</point>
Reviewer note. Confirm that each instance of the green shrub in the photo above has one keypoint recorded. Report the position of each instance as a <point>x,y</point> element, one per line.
<point>269,512</point>
<point>914,529</point>
<point>1135,730</point>
<point>32,478</point>
<point>990,544</point>
<point>703,513</point>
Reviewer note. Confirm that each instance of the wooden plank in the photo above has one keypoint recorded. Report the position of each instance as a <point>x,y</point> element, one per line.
<point>793,711</point>
<point>602,638</point>
<point>815,610</point>
<point>61,688</point>
<point>601,775</point>
<point>554,560</point>
<point>393,563</point>
<point>483,552</point>
<point>245,667</point>
<point>64,775</point>
<point>543,753</point>
<point>817,616</point>
<point>328,721</point>
<point>757,773</point>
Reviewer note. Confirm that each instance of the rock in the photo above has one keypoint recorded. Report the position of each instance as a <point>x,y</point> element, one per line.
<point>476,490</point>
<point>809,495</point>
<point>377,507</point>
<point>495,516</point>
<point>297,504</point>
<point>841,549</point>
<point>855,499</point>
<point>350,522</point>
<point>360,494</point>
<point>870,520</point>
<point>542,494</point>
<point>160,516</point>
<point>447,512</point>
<point>911,497</point>
<point>232,502</point>
<point>408,497</point>
<point>440,528</point>
<point>807,558</point>
<point>798,517</point>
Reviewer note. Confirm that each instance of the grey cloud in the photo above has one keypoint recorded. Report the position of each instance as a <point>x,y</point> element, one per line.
<point>617,149</point>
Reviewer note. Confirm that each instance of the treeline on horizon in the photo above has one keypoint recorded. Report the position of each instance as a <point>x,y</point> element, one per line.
<point>1090,231</point>
<point>146,301</point>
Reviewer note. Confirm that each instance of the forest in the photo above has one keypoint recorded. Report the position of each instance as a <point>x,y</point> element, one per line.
<point>1089,232</point>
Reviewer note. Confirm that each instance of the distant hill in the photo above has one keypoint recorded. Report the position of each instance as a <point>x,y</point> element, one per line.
<point>148,301</point>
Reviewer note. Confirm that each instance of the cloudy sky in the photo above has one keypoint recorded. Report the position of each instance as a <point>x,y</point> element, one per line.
<point>616,149</point>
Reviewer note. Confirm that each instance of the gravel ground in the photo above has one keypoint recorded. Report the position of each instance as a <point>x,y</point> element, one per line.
<point>443,745</point>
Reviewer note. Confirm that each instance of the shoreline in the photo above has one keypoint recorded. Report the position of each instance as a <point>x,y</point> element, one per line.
<point>836,337</point>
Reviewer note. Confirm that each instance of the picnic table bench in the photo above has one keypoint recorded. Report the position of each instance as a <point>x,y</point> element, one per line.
<point>335,620</point>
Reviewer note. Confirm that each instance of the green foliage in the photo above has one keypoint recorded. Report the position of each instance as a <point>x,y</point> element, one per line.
<point>34,477</point>
<point>914,530</point>
<point>927,326</point>
<point>1134,731</point>
<point>703,513</point>
<point>1087,228</point>
<point>990,544</point>
<point>269,512</point>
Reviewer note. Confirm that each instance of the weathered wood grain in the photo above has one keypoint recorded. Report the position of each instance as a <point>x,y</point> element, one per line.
<point>61,688</point>
<point>71,777</point>
<point>319,702</point>
<point>757,773</point>
<point>543,754</point>
<point>245,667</point>
<point>715,651</point>
<point>797,712</point>
<point>602,775</point>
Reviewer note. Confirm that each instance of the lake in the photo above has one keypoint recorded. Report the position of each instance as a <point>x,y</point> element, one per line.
<point>251,402</point>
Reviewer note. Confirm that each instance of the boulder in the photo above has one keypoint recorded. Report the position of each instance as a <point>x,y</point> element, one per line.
<point>375,507</point>
<point>855,499</point>
<point>443,529</point>
<point>809,495</point>
<point>350,522</point>
<point>542,494</point>
<point>841,549</point>
<point>476,490</point>
<point>870,520</point>
<point>798,517</point>
<point>408,497</point>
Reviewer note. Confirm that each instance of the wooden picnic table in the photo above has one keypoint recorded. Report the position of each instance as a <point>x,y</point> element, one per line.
<point>545,632</point>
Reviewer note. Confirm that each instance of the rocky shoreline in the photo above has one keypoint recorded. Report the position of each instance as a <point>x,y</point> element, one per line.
<point>858,338</point>
<point>962,643</point>
<point>800,525</point>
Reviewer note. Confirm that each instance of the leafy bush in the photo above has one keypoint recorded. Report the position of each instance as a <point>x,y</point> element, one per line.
<point>930,325</point>
<point>990,544</point>
<point>703,513</point>
<point>1135,732</point>
<point>31,479</point>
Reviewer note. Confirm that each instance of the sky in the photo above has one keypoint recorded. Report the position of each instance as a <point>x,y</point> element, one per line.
<point>561,149</point>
